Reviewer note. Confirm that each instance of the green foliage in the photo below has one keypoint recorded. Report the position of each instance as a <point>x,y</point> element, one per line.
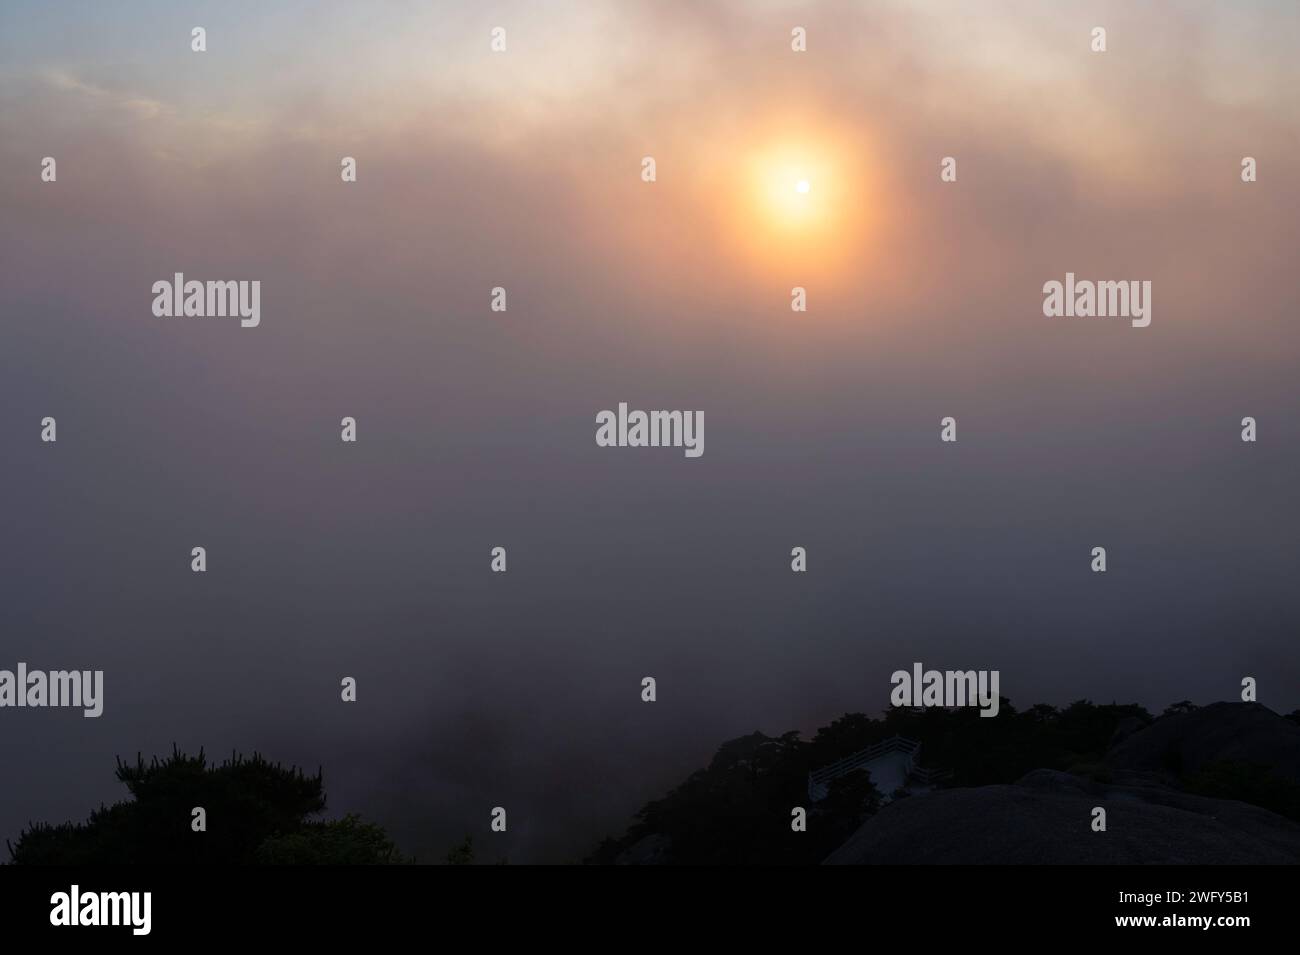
<point>256,812</point>
<point>737,810</point>
<point>850,800</point>
<point>981,751</point>
<point>1247,782</point>
<point>462,854</point>
<point>346,841</point>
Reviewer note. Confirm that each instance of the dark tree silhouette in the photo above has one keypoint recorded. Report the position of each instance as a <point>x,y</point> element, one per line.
<point>1247,782</point>
<point>256,812</point>
<point>737,810</point>
<point>462,854</point>
<point>346,841</point>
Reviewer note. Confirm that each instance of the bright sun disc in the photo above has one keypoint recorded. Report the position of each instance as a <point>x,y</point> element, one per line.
<point>777,216</point>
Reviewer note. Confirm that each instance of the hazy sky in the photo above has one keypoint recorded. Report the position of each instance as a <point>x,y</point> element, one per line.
<point>476,428</point>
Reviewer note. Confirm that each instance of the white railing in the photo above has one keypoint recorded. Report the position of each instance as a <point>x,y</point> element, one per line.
<point>927,777</point>
<point>819,780</point>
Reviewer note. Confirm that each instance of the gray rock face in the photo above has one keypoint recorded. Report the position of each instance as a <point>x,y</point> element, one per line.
<point>1045,817</point>
<point>652,850</point>
<point>1187,742</point>
<point>1126,728</point>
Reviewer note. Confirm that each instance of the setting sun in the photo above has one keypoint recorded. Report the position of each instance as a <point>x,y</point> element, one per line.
<point>806,198</point>
<point>781,184</point>
<point>793,192</point>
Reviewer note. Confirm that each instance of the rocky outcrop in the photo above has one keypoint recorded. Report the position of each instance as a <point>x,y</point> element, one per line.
<point>1185,743</point>
<point>651,850</point>
<point>1046,816</point>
